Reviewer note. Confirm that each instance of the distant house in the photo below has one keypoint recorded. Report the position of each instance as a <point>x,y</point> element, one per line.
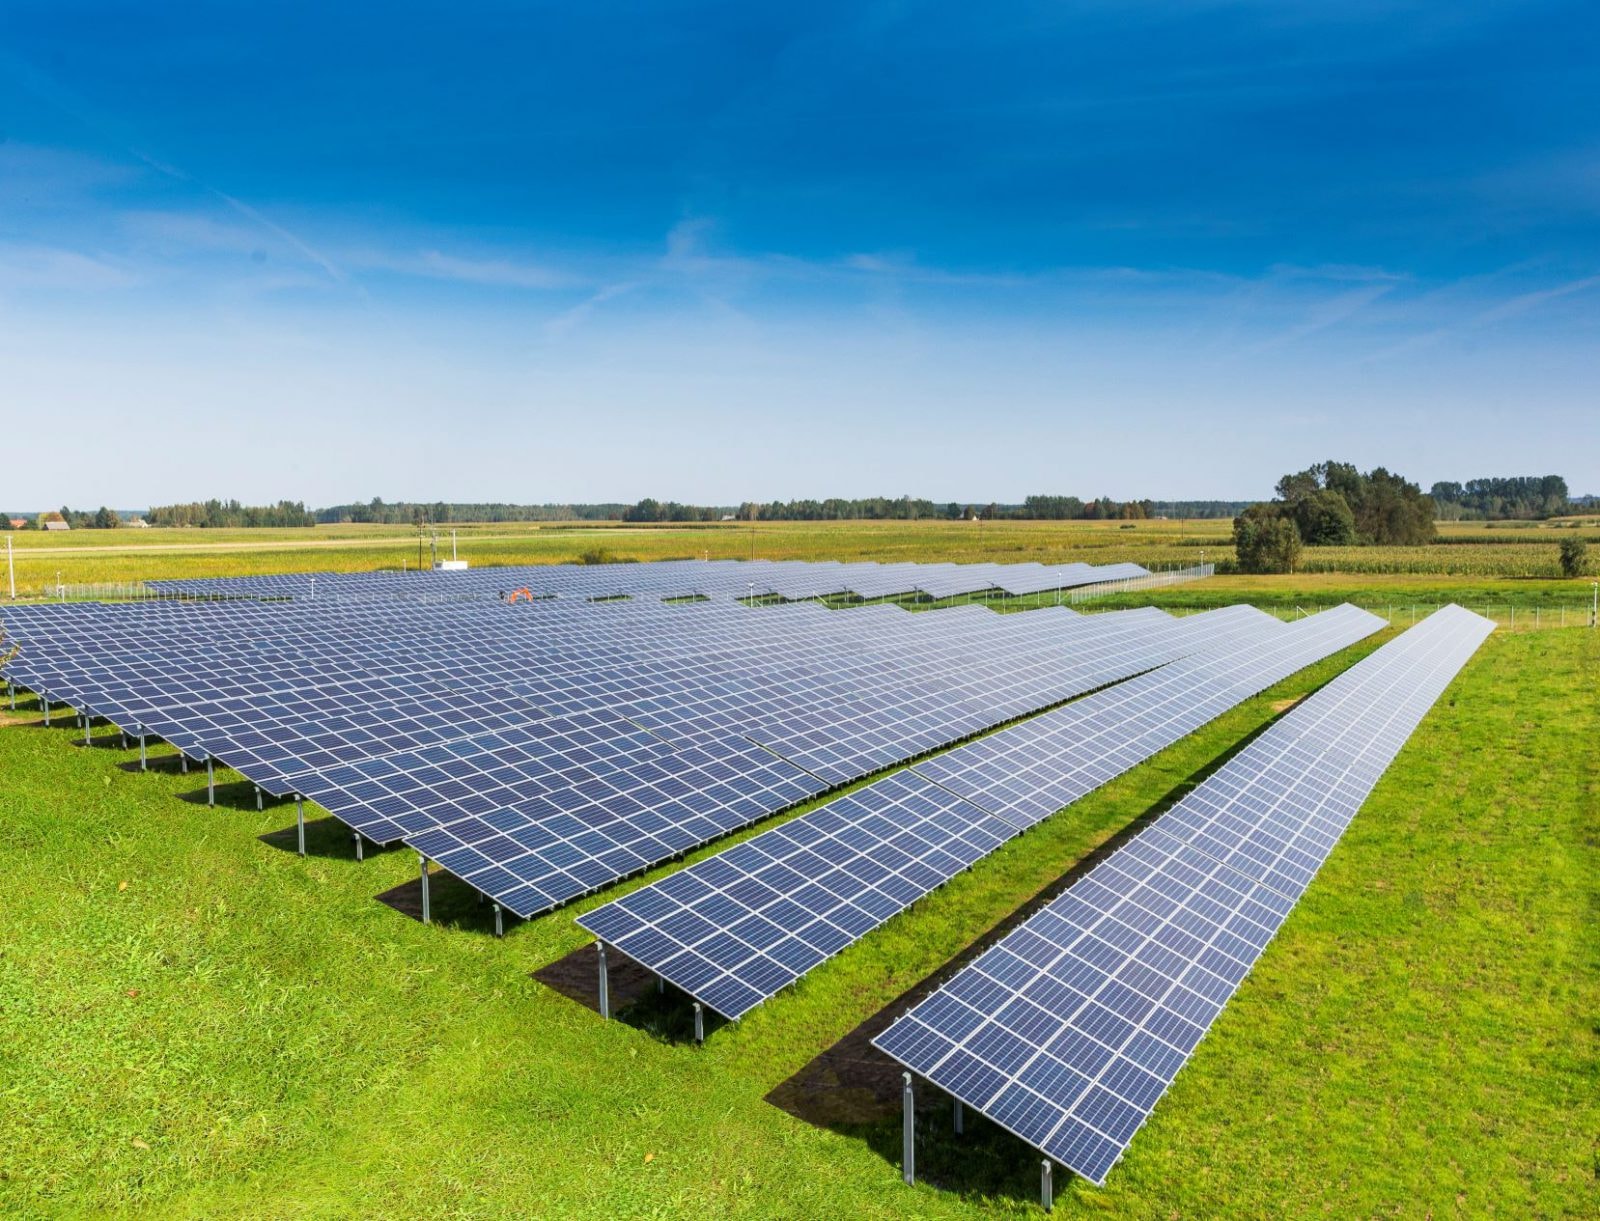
<point>729,517</point>
<point>136,523</point>
<point>55,523</point>
<point>18,523</point>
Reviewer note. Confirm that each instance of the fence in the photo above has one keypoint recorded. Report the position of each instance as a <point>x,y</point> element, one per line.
<point>1506,616</point>
<point>1128,585</point>
<point>117,591</point>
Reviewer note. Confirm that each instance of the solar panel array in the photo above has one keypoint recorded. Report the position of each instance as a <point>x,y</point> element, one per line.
<point>1069,1030</point>
<point>794,580</point>
<point>534,853</point>
<point>734,929</point>
<point>543,749</point>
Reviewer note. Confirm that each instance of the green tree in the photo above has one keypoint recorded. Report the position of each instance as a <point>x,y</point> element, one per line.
<point>1385,508</point>
<point>106,519</point>
<point>1266,539</point>
<point>1574,557</point>
<point>1324,519</point>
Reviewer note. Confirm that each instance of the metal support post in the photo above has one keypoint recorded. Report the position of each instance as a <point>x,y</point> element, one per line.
<point>360,844</point>
<point>499,924</point>
<point>960,1116</point>
<point>1047,1188</point>
<point>144,759</point>
<point>300,822</point>
<point>45,701</point>
<point>605,981</point>
<point>86,741</point>
<point>183,763</point>
<point>699,1022</point>
<point>258,796</point>
<point>211,782</point>
<point>908,1132</point>
<point>661,985</point>
<point>427,914</point>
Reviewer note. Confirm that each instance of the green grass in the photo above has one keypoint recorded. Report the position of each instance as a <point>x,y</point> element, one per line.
<point>197,1023</point>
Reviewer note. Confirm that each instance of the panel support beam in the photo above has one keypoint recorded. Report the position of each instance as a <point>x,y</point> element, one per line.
<point>1047,1187</point>
<point>211,782</point>
<point>699,1022</point>
<point>427,914</point>
<point>300,822</point>
<point>144,759</point>
<point>908,1131</point>
<point>360,847</point>
<point>960,1118</point>
<point>605,981</point>
<point>499,923</point>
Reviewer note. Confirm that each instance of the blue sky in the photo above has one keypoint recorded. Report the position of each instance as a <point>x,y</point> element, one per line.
<point>710,252</point>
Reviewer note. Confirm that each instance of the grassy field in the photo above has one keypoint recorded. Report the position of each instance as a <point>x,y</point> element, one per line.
<point>1471,554</point>
<point>196,1022</point>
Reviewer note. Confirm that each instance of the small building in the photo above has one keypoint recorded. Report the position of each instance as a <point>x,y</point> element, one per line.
<point>18,523</point>
<point>55,523</point>
<point>136,523</point>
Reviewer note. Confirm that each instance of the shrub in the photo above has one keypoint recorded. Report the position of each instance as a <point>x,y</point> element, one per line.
<point>1574,557</point>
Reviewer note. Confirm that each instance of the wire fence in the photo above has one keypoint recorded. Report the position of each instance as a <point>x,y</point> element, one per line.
<point>1506,616</point>
<point>120,591</point>
<point>1129,585</point>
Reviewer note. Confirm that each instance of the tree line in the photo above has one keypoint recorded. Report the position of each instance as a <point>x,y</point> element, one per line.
<point>230,514</point>
<point>1518,497</point>
<point>405,512</point>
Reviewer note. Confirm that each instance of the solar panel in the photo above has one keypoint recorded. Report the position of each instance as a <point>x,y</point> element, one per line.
<point>1068,1030</point>
<point>829,876</point>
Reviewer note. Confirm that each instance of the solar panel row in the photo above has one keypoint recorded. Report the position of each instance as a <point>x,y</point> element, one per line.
<point>737,927</point>
<point>789,579</point>
<point>1068,1030</point>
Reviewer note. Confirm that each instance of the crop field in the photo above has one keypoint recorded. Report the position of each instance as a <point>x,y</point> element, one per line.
<point>1468,554</point>
<point>195,1020</point>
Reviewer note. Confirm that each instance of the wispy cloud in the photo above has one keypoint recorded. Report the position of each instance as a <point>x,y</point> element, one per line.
<point>1474,317</point>
<point>49,268</point>
<point>1523,302</point>
<point>491,272</point>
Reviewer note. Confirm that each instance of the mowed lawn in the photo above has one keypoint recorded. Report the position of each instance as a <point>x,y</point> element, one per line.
<point>195,1022</point>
